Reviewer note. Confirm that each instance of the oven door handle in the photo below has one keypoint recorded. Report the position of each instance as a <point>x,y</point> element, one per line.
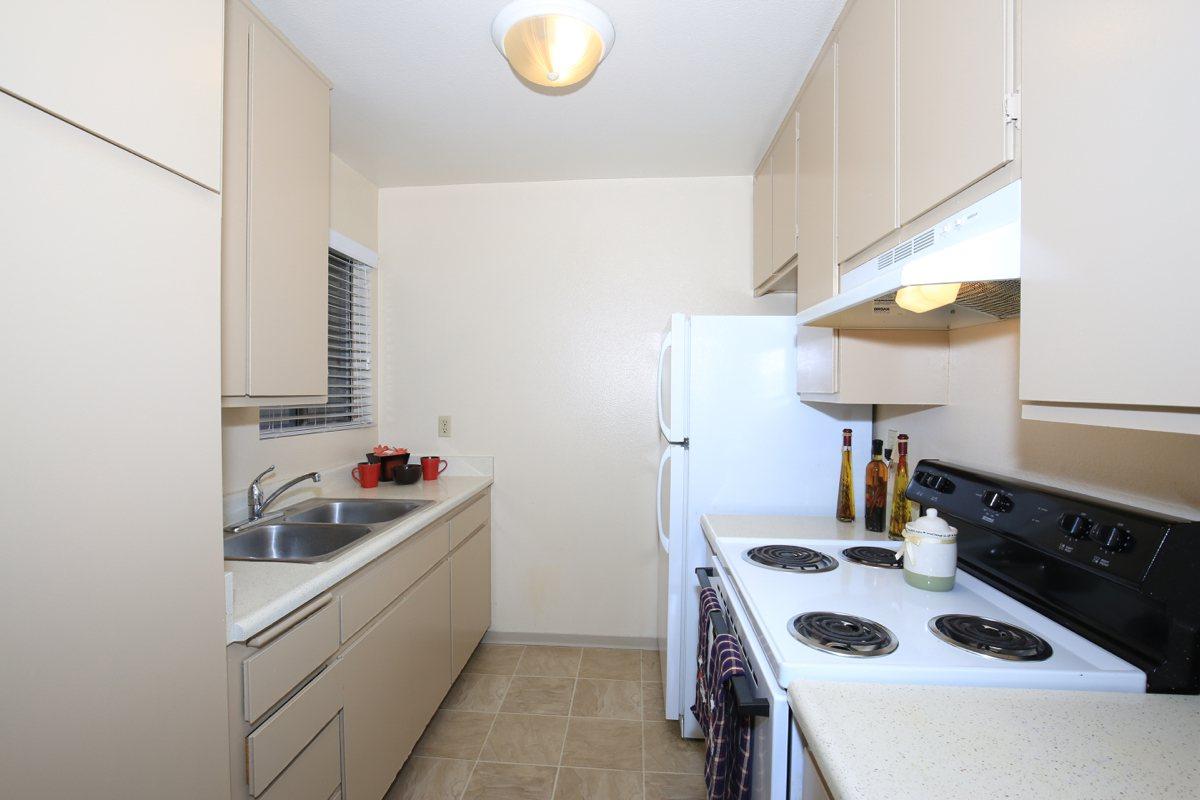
<point>747,700</point>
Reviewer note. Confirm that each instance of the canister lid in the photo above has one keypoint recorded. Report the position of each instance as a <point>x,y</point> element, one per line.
<point>932,526</point>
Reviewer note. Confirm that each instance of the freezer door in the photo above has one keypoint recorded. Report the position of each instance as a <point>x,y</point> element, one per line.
<point>672,515</point>
<point>673,380</point>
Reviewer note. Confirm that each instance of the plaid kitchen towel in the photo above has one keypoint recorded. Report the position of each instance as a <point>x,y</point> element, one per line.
<point>709,603</point>
<point>727,756</point>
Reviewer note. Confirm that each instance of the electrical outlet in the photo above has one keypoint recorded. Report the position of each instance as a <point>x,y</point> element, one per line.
<point>443,426</point>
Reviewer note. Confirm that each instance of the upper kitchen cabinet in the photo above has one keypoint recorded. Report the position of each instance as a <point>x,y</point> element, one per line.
<point>275,227</point>
<point>145,76</point>
<point>762,223</point>
<point>783,195</point>
<point>1107,229</point>
<point>816,184</point>
<point>955,75</point>
<point>775,213</point>
<point>866,101</point>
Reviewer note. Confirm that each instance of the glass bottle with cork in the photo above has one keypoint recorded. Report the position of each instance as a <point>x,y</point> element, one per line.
<point>845,495</point>
<point>901,510</point>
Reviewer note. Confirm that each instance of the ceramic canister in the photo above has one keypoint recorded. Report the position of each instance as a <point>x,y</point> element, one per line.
<point>930,553</point>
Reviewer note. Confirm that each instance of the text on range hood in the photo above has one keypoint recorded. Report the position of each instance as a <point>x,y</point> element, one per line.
<point>979,248</point>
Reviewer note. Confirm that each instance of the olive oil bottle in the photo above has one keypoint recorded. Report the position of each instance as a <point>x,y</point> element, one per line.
<point>845,495</point>
<point>875,512</point>
<point>901,510</point>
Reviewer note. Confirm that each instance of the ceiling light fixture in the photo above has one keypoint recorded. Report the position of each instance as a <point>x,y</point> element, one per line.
<point>927,297</point>
<point>553,42</point>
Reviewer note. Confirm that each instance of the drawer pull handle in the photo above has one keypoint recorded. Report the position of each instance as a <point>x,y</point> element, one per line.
<point>290,621</point>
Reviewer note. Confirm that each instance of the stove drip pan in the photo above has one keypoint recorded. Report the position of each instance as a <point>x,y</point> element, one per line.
<point>991,638</point>
<point>790,558</point>
<point>881,557</point>
<point>842,634</point>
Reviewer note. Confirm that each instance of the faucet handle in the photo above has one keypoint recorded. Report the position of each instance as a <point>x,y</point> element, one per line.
<point>263,474</point>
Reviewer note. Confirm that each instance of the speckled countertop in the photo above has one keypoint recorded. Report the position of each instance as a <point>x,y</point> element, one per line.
<point>264,592</point>
<point>951,742</point>
<point>725,526</point>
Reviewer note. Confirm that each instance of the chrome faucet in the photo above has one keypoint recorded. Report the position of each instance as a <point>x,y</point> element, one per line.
<point>256,504</point>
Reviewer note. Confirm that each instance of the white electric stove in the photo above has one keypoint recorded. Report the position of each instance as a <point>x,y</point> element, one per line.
<point>1054,591</point>
<point>850,593</point>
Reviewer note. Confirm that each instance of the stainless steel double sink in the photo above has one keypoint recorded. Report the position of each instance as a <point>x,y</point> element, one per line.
<point>316,530</point>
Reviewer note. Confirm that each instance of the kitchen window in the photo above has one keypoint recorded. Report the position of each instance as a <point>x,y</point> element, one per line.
<point>350,403</point>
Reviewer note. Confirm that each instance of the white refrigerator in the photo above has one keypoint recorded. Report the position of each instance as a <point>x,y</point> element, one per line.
<point>736,439</point>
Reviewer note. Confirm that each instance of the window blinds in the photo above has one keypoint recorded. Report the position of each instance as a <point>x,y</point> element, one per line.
<point>350,401</point>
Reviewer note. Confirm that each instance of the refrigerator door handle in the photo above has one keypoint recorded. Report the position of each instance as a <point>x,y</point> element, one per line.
<point>663,541</point>
<point>662,361</point>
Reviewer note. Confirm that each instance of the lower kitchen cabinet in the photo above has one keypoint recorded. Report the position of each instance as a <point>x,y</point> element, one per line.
<point>470,595</point>
<point>395,676</point>
<point>333,697</point>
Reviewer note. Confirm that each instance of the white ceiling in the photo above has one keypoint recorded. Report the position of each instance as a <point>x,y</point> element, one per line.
<point>422,97</point>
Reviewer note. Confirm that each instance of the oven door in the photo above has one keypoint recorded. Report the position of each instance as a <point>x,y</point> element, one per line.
<point>772,732</point>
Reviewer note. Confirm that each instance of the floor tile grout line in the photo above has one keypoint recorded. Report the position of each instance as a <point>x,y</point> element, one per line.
<point>567,731</point>
<point>496,716</point>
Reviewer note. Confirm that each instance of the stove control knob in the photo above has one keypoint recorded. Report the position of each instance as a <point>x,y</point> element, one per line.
<point>1077,526</point>
<point>940,484</point>
<point>996,501</point>
<point>1113,538</point>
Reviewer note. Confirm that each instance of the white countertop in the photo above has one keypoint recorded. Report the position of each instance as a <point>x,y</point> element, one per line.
<point>264,592</point>
<point>930,742</point>
<point>726,526</point>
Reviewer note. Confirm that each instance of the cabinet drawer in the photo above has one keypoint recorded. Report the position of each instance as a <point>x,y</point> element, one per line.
<point>308,637</point>
<point>469,519</point>
<point>370,592</point>
<point>285,734</point>
<point>316,772</point>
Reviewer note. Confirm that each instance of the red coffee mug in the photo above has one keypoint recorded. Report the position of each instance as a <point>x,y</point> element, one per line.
<point>366,474</point>
<point>432,466</point>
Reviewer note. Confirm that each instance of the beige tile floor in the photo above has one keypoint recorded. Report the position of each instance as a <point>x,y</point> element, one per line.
<point>554,723</point>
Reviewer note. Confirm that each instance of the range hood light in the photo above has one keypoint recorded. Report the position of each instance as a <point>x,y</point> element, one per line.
<point>927,297</point>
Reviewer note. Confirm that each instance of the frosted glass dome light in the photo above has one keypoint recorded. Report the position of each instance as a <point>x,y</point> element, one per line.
<point>926,297</point>
<point>553,42</point>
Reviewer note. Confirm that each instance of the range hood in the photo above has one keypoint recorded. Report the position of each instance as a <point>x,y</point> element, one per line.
<point>978,248</point>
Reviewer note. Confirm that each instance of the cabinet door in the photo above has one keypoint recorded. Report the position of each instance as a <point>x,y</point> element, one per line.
<point>762,223</point>
<point>395,676</point>
<point>954,71</point>
<point>1108,286</point>
<point>783,196</point>
<point>470,595</point>
<point>275,281</point>
<point>816,187</point>
<point>144,75</point>
<point>866,93</point>
<point>110,329</point>
<point>289,222</point>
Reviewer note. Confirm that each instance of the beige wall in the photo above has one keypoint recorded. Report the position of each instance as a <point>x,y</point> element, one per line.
<point>353,204</point>
<point>531,314</point>
<point>353,212</point>
<point>981,427</point>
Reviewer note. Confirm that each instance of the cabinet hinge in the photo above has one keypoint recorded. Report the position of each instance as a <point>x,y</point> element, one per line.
<point>1012,107</point>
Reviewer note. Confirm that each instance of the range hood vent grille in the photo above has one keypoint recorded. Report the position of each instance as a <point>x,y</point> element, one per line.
<point>998,299</point>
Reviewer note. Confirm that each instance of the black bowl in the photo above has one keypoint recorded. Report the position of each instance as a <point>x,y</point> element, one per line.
<point>406,474</point>
<point>390,465</point>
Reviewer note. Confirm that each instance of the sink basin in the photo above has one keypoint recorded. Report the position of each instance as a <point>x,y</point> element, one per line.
<point>292,541</point>
<point>355,512</point>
